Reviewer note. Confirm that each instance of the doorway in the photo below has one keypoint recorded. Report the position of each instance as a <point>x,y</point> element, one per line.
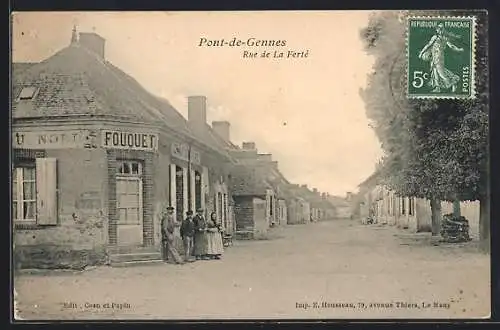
<point>179,193</point>
<point>129,203</point>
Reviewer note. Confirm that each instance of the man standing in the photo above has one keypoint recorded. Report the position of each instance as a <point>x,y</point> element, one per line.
<point>200,237</point>
<point>168,250</point>
<point>187,234</point>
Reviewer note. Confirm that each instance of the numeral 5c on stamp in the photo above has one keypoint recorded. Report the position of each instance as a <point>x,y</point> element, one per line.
<point>440,57</point>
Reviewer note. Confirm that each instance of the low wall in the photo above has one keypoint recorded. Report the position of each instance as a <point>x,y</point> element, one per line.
<point>49,256</point>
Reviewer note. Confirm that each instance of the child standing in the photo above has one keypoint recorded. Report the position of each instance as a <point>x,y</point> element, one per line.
<point>187,233</point>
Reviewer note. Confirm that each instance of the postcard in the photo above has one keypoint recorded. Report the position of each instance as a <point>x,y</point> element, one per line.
<point>245,165</point>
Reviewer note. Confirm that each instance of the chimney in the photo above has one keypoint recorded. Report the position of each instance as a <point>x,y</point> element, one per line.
<point>304,186</point>
<point>348,196</point>
<point>74,36</point>
<point>315,190</point>
<point>93,42</point>
<point>248,145</point>
<point>265,157</point>
<point>222,128</point>
<point>197,110</point>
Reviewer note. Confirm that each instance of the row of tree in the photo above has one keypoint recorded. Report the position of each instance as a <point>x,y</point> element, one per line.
<point>434,148</point>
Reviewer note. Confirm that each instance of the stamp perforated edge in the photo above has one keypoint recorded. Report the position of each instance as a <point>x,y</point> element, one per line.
<point>473,58</point>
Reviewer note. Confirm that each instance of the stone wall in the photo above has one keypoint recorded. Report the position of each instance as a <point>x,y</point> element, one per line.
<point>261,224</point>
<point>243,212</point>
<point>80,236</point>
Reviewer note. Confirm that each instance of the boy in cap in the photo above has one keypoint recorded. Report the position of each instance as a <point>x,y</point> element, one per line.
<point>187,233</point>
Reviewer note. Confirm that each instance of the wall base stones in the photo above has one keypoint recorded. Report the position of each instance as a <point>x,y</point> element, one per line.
<point>57,257</point>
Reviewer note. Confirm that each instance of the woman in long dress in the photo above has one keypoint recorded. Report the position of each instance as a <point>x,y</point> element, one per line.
<point>434,51</point>
<point>214,238</point>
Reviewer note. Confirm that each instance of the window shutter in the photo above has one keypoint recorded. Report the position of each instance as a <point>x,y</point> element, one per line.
<point>46,187</point>
<point>173,189</point>
<point>268,206</point>
<point>192,188</point>
<point>204,186</point>
<point>185,204</point>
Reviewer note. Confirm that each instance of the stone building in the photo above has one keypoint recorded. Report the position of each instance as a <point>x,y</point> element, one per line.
<point>255,192</point>
<point>409,213</point>
<point>386,207</point>
<point>95,157</point>
<point>342,206</point>
<point>299,208</point>
<point>218,160</point>
<point>321,207</point>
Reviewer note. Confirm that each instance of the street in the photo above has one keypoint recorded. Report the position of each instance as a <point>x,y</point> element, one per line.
<point>331,269</point>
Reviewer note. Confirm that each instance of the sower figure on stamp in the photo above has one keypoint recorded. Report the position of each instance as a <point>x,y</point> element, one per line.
<point>169,252</point>
<point>187,234</point>
<point>434,51</point>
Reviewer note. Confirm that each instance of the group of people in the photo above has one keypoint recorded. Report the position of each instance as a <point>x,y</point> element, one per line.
<point>202,239</point>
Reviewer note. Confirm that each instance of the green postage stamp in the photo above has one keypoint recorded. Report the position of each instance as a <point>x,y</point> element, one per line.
<point>440,55</point>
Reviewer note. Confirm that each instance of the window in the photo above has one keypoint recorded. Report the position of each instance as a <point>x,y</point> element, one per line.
<point>411,206</point>
<point>403,205</point>
<point>127,167</point>
<point>27,93</point>
<point>24,194</point>
<point>226,218</point>
<point>197,189</point>
<point>129,201</point>
<point>34,192</point>
<point>221,206</point>
<point>271,206</point>
<point>394,206</point>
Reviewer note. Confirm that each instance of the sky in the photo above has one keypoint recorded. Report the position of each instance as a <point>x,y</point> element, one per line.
<point>305,111</point>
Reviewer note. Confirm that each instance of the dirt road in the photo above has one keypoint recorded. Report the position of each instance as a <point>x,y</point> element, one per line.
<point>331,269</point>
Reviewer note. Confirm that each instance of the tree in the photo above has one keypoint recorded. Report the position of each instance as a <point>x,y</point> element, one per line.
<point>434,149</point>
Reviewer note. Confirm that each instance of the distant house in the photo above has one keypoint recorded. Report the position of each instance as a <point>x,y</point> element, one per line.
<point>299,208</point>
<point>321,206</point>
<point>255,191</point>
<point>376,200</point>
<point>342,206</point>
<point>409,213</point>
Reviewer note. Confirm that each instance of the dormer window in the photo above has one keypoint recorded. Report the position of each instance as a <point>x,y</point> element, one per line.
<point>27,93</point>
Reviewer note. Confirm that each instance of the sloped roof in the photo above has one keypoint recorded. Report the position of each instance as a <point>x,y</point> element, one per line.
<point>17,68</point>
<point>249,180</point>
<point>218,139</point>
<point>211,138</point>
<point>371,180</point>
<point>76,81</point>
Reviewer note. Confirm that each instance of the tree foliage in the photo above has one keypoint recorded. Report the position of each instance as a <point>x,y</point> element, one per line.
<point>434,148</point>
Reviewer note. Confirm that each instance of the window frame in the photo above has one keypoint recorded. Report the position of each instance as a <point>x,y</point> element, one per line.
<point>411,206</point>
<point>140,207</point>
<point>18,173</point>
<point>33,95</point>
<point>131,177</point>
<point>120,164</point>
